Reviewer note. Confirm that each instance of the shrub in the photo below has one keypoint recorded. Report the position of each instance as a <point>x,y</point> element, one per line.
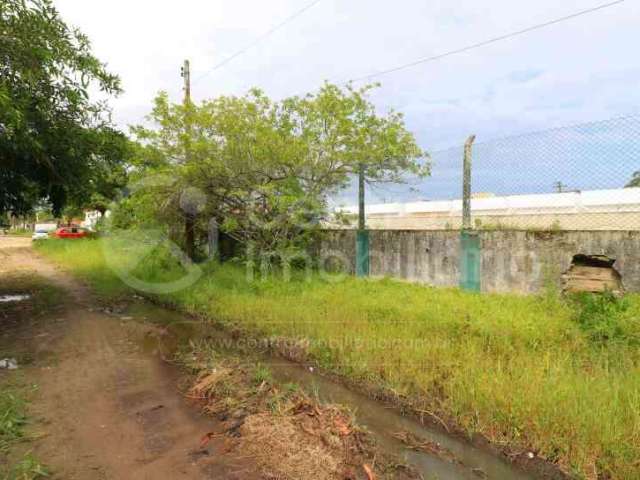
<point>601,316</point>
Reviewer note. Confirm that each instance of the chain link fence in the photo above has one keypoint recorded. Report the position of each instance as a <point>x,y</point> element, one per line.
<point>579,177</point>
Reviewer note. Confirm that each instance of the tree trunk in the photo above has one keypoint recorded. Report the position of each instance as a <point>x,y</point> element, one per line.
<point>189,235</point>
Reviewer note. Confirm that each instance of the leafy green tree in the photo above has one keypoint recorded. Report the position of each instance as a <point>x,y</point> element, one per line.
<point>105,174</point>
<point>635,180</point>
<point>264,170</point>
<point>52,136</point>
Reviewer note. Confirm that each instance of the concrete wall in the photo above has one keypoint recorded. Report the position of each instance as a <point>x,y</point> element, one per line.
<point>620,221</point>
<point>511,261</point>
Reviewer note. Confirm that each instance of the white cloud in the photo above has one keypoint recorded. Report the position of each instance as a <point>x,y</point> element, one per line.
<point>145,42</point>
<point>580,70</point>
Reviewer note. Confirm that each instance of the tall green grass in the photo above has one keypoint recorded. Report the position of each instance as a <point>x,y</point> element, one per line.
<point>560,377</point>
<point>13,421</point>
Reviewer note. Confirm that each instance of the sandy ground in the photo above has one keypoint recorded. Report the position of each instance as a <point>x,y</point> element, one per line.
<point>104,408</point>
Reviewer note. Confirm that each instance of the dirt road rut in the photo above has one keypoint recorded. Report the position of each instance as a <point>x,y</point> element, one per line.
<point>105,409</point>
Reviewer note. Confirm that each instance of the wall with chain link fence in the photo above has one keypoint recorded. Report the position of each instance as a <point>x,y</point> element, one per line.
<point>580,177</point>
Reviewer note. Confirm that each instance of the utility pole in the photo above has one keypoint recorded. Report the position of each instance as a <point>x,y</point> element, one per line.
<point>189,216</point>
<point>559,186</point>
<point>186,75</point>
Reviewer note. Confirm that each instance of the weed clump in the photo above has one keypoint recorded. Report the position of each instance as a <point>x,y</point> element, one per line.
<point>264,419</point>
<point>13,420</point>
<point>602,316</point>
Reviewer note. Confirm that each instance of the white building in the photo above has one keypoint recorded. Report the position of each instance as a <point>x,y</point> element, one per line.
<point>615,209</point>
<point>91,218</point>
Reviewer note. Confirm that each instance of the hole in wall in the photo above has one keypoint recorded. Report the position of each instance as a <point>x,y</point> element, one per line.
<point>592,273</point>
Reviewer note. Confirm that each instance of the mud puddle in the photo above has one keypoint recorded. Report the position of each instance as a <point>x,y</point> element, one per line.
<point>462,461</point>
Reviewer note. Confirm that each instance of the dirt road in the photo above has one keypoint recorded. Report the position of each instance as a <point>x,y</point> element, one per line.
<point>104,408</point>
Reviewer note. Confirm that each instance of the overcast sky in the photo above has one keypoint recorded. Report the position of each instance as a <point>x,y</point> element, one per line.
<point>581,70</point>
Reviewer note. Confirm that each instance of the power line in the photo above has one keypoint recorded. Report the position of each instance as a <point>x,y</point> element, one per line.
<point>259,39</point>
<point>485,42</point>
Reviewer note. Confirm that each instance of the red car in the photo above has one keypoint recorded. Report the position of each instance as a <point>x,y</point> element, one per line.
<point>71,232</point>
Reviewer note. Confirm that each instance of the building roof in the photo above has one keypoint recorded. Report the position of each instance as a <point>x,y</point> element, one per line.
<point>621,199</point>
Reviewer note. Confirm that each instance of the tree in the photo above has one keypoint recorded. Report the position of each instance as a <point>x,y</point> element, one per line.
<point>264,170</point>
<point>635,180</point>
<point>52,136</point>
<point>105,173</point>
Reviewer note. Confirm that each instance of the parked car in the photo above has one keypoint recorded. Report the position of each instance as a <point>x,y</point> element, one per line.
<point>40,234</point>
<point>71,232</point>
<point>49,227</point>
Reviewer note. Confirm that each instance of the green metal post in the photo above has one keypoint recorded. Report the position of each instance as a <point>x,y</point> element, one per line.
<point>469,261</point>
<point>362,253</point>
<point>469,240</point>
<point>362,236</point>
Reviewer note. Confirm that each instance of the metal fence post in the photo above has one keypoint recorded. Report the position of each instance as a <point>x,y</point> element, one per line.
<point>362,235</point>
<point>362,253</point>
<point>466,184</point>
<point>469,240</point>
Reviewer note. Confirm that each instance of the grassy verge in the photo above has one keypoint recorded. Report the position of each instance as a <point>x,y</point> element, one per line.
<point>558,377</point>
<point>16,321</point>
<point>13,420</point>
<point>20,232</point>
